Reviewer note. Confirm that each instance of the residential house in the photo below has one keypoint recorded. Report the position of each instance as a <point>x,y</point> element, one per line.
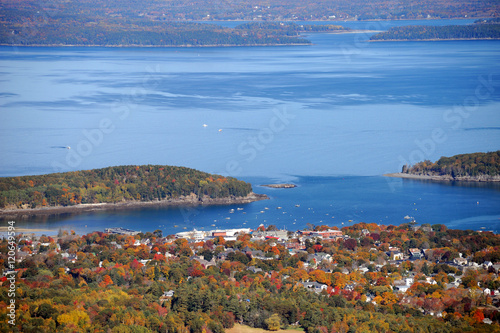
<point>403,285</point>
<point>204,263</point>
<point>167,295</point>
<point>395,254</point>
<point>254,269</point>
<point>460,261</point>
<point>415,254</point>
<point>315,286</point>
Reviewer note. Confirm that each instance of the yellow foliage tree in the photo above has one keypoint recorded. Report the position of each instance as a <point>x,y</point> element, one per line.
<point>77,318</point>
<point>273,323</point>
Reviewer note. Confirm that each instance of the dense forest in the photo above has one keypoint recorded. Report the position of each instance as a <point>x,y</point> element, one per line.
<point>116,184</point>
<point>150,283</point>
<point>423,32</point>
<point>477,165</point>
<point>158,23</point>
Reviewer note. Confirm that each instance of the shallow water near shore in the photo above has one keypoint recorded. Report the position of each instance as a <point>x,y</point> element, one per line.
<point>330,117</point>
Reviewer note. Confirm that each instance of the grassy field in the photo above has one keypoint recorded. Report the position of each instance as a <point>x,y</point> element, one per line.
<point>247,329</point>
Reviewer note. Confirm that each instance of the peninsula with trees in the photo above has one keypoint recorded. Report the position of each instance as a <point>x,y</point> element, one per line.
<point>115,32</point>
<point>476,167</point>
<point>117,187</point>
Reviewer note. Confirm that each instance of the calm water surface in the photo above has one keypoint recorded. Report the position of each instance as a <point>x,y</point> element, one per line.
<point>332,117</point>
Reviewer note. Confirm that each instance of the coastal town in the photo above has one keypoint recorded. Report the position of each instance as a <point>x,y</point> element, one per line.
<point>318,279</point>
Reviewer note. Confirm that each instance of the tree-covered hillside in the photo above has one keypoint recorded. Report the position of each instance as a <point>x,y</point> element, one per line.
<point>464,165</point>
<point>116,184</point>
<point>137,32</point>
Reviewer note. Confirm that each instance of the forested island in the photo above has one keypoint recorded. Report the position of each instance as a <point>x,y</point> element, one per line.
<point>120,185</point>
<point>369,278</point>
<point>480,167</point>
<point>479,30</point>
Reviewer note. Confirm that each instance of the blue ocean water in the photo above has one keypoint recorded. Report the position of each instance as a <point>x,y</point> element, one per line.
<point>333,201</point>
<point>331,117</point>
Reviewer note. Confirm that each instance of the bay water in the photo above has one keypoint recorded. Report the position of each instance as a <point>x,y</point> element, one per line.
<point>331,117</point>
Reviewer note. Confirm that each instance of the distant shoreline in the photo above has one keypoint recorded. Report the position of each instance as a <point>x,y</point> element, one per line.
<point>190,45</point>
<point>153,46</point>
<point>178,202</point>
<point>443,178</point>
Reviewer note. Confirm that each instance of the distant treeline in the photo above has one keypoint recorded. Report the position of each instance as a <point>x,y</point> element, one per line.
<point>495,20</point>
<point>423,32</point>
<point>116,184</point>
<point>112,33</point>
<point>464,165</point>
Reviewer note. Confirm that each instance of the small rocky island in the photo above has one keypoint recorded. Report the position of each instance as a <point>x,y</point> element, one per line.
<point>280,185</point>
<point>475,167</point>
